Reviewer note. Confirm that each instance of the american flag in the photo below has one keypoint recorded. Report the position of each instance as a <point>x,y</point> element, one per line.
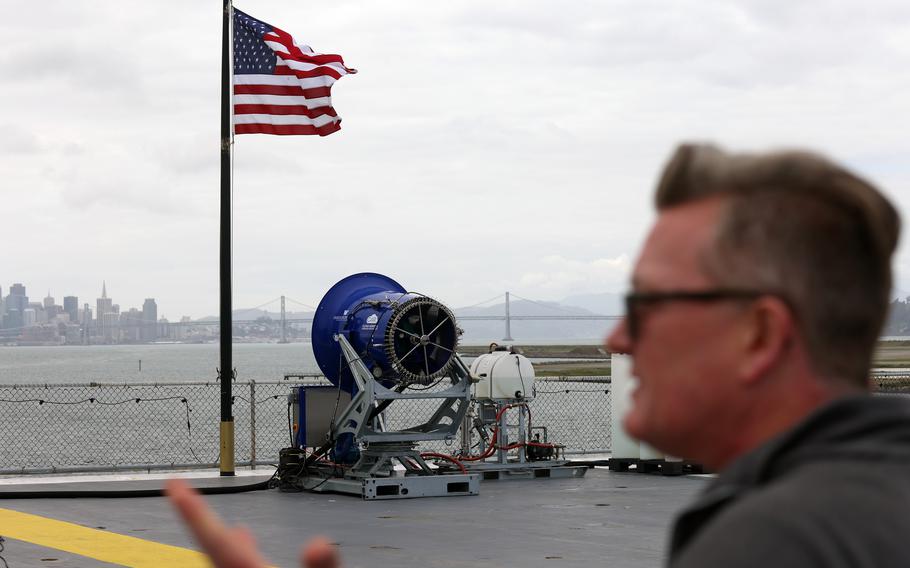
<point>281,87</point>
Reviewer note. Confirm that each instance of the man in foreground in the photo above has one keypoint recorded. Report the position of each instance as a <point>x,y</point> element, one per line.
<point>756,305</point>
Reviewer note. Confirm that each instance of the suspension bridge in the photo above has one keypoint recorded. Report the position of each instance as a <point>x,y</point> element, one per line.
<point>548,312</point>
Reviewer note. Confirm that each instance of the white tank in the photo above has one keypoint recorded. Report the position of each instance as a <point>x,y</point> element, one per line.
<point>503,375</point>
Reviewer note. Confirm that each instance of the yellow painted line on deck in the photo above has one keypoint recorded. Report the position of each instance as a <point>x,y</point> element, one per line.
<point>97,544</point>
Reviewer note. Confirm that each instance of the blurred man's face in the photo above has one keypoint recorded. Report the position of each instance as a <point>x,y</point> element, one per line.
<point>683,351</point>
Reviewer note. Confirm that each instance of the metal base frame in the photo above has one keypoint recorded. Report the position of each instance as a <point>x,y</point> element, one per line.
<point>398,486</point>
<point>528,470</point>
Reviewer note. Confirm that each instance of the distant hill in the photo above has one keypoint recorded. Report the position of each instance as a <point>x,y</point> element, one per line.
<point>605,304</point>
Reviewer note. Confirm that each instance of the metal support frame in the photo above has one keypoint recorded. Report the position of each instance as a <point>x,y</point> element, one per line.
<point>374,475</point>
<point>403,487</point>
<point>502,467</point>
<point>443,425</point>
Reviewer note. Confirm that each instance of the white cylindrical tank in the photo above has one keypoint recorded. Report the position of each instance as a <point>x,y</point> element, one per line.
<point>621,385</point>
<point>503,375</point>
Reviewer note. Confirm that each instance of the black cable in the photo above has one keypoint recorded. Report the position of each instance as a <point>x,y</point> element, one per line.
<point>93,400</point>
<point>524,389</point>
<point>428,387</point>
<point>2,540</point>
<point>189,433</point>
<point>290,428</point>
<point>320,484</point>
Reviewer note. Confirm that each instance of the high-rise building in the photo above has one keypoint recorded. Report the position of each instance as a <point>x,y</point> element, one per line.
<point>12,319</point>
<point>17,300</point>
<point>17,290</point>
<point>105,306</point>
<point>110,326</point>
<point>16,303</point>
<point>131,326</point>
<point>87,331</point>
<point>40,312</point>
<point>48,300</point>
<point>149,320</point>
<point>71,306</point>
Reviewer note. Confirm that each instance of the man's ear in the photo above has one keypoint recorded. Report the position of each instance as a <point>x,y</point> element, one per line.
<point>767,333</point>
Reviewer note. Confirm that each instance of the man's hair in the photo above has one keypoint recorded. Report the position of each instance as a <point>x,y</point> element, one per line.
<point>800,226</point>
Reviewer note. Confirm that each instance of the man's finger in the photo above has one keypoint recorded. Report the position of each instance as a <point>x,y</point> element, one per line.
<point>228,548</point>
<point>320,553</point>
<point>207,528</point>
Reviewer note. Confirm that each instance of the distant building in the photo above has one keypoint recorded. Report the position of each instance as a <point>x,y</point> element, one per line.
<point>110,327</point>
<point>105,306</point>
<point>17,290</point>
<point>131,326</point>
<point>29,317</point>
<point>48,300</point>
<point>72,333</point>
<point>16,304</point>
<point>181,331</point>
<point>40,314</point>
<point>149,320</point>
<point>12,319</point>
<point>87,330</point>
<point>44,334</point>
<point>71,306</point>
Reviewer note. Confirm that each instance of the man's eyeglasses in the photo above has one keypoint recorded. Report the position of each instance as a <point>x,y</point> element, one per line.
<point>635,301</point>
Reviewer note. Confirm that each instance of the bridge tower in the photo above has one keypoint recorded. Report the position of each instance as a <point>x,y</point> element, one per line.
<point>508,336</point>
<point>284,323</point>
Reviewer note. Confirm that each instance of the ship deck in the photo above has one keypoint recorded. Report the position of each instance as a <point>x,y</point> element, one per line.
<point>603,519</point>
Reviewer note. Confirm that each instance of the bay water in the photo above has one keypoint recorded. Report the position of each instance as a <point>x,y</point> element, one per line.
<point>151,363</point>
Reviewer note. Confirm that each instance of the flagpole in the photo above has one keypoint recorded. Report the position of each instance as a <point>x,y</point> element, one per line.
<point>225,374</point>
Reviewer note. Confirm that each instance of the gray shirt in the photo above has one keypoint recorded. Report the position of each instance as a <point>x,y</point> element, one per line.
<point>832,492</point>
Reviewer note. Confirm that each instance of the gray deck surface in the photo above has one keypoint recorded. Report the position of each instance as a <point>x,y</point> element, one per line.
<point>604,519</point>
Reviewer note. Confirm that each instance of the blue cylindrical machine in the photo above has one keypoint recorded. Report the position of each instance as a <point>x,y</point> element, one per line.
<point>399,335</point>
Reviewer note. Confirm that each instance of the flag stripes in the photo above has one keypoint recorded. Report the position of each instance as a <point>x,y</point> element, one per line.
<point>280,87</point>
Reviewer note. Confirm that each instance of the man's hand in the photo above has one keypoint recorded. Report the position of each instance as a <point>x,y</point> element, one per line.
<point>235,547</point>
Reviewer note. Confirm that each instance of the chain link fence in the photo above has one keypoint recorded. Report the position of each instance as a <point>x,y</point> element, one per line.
<point>891,381</point>
<point>106,427</point>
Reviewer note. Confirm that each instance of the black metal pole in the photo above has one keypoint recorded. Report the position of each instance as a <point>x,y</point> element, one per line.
<point>226,374</point>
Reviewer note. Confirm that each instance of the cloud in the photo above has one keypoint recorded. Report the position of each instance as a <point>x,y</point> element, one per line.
<point>557,276</point>
<point>17,139</point>
<point>485,147</point>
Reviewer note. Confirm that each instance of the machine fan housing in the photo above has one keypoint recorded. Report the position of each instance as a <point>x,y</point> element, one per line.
<point>400,335</point>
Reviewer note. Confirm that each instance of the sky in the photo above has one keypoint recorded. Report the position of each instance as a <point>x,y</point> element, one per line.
<point>484,146</point>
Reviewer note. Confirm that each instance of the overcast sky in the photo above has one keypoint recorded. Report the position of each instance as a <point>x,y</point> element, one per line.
<point>485,146</point>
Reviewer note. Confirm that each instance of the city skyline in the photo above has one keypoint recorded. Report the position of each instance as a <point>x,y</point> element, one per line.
<point>45,322</point>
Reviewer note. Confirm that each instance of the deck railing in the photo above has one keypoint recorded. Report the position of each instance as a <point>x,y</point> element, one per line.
<point>152,426</point>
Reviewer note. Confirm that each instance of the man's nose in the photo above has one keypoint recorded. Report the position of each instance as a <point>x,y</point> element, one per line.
<point>619,341</point>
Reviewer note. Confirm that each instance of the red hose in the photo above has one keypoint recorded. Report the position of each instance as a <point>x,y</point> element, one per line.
<point>491,449</point>
<point>445,457</point>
